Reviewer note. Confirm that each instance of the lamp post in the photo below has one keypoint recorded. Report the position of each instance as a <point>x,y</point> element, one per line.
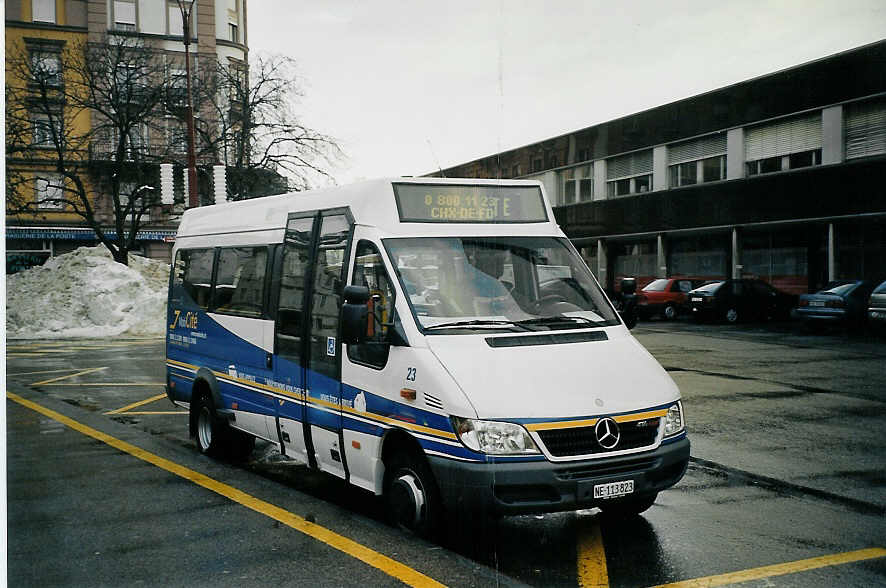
<point>187,7</point>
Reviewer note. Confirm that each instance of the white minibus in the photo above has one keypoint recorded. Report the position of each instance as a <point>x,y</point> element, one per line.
<point>438,342</point>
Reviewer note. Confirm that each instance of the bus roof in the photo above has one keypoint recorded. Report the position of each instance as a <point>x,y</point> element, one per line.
<point>371,202</point>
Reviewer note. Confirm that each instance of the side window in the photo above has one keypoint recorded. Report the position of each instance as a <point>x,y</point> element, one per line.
<point>685,286</point>
<point>737,288</point>
<point>335,233</point>
<point>240,281</point>
<point>290,313</point>
<point>192,277</point>
<point>369,271</point>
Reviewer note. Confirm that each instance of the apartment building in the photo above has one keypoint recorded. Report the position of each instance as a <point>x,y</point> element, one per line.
<point>780,177</point>
<point>49,28</point>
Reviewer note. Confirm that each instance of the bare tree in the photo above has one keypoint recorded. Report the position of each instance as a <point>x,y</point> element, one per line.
<point>80,119</point>
<point>257,133</point>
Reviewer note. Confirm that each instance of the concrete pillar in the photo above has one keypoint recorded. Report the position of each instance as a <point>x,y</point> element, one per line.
<point>660,168</point>
<point>737,267</point>
<point>602,263</point>
<point>734,154</point>
<point>600,179</point>
<point>662,258</point>
<point>832,135</point>
<point>832,253</point>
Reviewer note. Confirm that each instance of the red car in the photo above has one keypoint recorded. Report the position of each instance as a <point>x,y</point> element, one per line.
<point>665,296</point>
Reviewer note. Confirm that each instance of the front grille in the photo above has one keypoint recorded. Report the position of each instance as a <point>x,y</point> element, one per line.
<point>583,440</point>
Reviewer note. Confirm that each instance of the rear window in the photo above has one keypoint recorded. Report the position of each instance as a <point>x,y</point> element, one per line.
<point>656,286</point>
<point>712,287</point>
<point>881,289</point>
<point>840,290</point>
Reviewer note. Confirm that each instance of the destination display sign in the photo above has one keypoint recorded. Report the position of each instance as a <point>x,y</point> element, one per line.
<point>447,203</point>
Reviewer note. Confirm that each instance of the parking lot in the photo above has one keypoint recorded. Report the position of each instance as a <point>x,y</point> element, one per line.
<point>785,487</point>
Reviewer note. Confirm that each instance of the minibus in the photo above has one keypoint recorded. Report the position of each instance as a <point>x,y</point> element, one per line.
<point>437,342</point>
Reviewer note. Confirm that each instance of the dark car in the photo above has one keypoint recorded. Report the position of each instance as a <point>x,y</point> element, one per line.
<point>844,302</point>
<point>739,300</point>
<point>877,306</point>
<point>664,296</point>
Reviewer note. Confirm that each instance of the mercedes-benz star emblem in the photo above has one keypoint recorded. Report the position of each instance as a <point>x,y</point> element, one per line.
<point>607,432</point>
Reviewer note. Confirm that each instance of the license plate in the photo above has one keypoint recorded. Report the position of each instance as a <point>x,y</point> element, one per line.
<point>696,299</point>
<point>816,303</point>
<point>614,489</point>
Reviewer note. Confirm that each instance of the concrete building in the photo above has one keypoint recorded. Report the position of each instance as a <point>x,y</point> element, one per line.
<point>219,35</point>
<point>781,177</point>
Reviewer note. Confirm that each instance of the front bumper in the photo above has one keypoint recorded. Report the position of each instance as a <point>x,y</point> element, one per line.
<point>542,486</point>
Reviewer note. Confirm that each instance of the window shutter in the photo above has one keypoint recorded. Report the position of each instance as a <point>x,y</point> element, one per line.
<point>865,129</point>
<point>783,137</point>
<point>698,149</point>
<point>632,164</point>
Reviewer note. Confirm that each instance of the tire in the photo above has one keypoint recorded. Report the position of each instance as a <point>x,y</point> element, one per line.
<point>411,495</point>
<point>731,315</point>
<point>628,507</point>
<point>210,431</point>
<point>670,312</point>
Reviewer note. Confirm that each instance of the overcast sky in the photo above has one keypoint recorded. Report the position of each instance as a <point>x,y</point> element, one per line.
<point>406,86</point>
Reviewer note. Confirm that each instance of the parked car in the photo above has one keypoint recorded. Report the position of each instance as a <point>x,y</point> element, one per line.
<point>665,297</point>
<point>877,306</point>
<point>843,302</point>
<point>739,300</point>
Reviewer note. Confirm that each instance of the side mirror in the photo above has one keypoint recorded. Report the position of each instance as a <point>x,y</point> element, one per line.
<point>355,315</point>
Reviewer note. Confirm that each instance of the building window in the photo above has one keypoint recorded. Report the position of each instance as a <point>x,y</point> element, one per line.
<point>683,174</point>
<point>124,15</point>
<point>49,191</point>
<point>629,174</point>
<point>43,11</point>
<point>233,33</point>
<point>130,192</point>
<point>713,169</point>
<point>584,154</point>
<point>46,68</point>
<point>804,159</point>
<point>770,147</point>
<point>865,128</point>
<point>586,189</point>
<point>46,130</point>
<point>537,164</point>
<point>515,171</point>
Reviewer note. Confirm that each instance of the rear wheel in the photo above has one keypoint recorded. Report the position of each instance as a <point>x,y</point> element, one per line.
<point>670,312</point>
<point>210,430</point>
<point>628,507</point>
<point>411,494</point>
<point>732,315</point>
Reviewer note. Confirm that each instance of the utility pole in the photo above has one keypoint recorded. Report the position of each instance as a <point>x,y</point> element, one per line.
<point>187,7</point>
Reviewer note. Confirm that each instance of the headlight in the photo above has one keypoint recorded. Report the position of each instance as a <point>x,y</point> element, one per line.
<point>494,437</point>
<point>674,420</point>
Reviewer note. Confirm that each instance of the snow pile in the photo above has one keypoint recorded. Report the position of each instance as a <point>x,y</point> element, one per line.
<point>86,293</point>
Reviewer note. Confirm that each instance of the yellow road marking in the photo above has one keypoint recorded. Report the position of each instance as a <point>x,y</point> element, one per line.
<point>137,404</point>
<point>34,354</point>
<point>592,571</point>
<point>40,372</point>
<point>780,569</point>
<point>389,566</point>
<point>80,373</point>
<point>105,384</point>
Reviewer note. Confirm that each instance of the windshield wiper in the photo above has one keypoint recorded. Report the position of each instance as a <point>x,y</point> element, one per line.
<point>471,323</point>
<point>553,320</point>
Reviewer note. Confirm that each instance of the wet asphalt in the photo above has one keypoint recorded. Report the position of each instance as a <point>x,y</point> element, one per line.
<point>788,462</point>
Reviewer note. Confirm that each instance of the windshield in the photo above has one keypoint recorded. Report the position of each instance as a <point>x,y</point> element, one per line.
<point>656,286</point>
<point>515,283</point>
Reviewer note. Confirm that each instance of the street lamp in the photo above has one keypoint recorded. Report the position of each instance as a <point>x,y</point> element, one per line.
<point>187,7</point>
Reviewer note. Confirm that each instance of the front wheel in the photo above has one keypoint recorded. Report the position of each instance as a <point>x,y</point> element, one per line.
<point>411,495</point>
<point>628,507</point>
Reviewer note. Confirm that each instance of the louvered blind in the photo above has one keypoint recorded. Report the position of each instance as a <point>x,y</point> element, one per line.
<point>697,149</point>
<point>632,164</point>
<point>866,129</point>
<point>783,137</point>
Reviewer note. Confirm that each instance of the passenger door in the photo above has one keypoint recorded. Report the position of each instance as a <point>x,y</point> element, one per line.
<point>323,374</point>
